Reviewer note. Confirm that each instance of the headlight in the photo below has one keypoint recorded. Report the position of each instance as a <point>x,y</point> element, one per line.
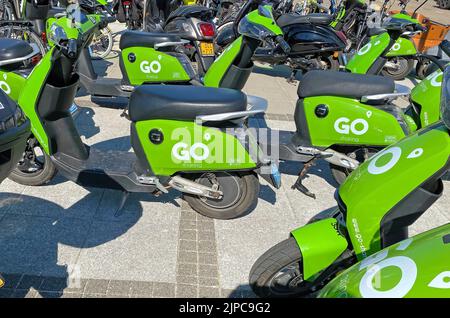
<point>253,30</point>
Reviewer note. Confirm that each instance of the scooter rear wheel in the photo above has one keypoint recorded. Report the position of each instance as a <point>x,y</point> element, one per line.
<point>405,66</point>
<point>240,194</point>
<point>278,272</point>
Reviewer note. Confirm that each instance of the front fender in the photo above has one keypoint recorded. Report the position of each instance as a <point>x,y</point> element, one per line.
<point>321,244</point>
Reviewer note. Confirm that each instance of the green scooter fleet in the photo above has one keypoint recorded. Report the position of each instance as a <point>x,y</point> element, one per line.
<point>199,141</point>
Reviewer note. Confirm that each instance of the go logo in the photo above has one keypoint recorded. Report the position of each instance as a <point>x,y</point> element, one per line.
<point>395,153</point>
<point>365,49</point>
<point>436,78</point>
<point>151,67</point>
<point>4,86</point>
<point>182,151</point>
<point>408,269</point>
<point>358,127</point>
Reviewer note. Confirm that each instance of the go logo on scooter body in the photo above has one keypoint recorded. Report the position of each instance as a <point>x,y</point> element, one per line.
<point>435,78</point>
<point>395,153</point>
<point>357,127</point>
<point>151,67</point>
<point>4,85</point>
<point>198,151</point>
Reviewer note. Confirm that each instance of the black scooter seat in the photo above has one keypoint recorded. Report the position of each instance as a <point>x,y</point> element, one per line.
<point>178,102</point>
<point>342,84</point>
<point>375,31</point>
<point>12,49</point>
<point>188,11</point>
<point>145,39</point>
<point>313,18</point>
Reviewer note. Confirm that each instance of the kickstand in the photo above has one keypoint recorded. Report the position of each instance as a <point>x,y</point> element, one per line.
<point>292,77</point>
<point>123,199</point>
<point>298,184</point>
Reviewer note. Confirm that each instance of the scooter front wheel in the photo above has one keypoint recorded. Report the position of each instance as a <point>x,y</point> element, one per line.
<point>278,272</point>
<point>401,68</point>
<point>35,168</point>
<point>240,194</point>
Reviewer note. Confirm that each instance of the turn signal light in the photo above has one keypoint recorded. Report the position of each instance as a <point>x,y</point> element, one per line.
<point>207,29</point>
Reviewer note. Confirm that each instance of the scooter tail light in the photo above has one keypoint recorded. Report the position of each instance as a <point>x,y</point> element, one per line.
<point>207,29</point>
<point>44,37</point>
<point>126,3</point>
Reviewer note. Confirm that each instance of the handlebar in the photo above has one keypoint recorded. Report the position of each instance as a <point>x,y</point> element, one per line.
<point>283,44</point>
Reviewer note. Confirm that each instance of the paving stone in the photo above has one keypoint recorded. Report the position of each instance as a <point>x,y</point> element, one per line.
<point>187,291</point>
<point>206,236</point>
<point>207,258</point>
<point>208,270</point>
<point>30,281</point>
<point>96,286</point>
<point>188,235</point>
<point>185,245</point>
<point>53,284</point>
<point>163,290</point>
<point>71,295</point>
<point>190,280</point>
<point>188,225</point>
<point>187,257</point>
<point>142,288</point>
<point>208,281</point>
<point>119,288</point>
<point>208,292</point>
<point>206,246</point>
<point>24,293</point>
<point>187,269</point>
<point>44,294</point>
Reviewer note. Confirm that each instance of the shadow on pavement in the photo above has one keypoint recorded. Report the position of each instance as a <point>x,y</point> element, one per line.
<point>30,243</point>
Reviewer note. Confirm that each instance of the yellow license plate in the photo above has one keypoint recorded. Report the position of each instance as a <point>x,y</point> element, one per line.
<point>206,48</point>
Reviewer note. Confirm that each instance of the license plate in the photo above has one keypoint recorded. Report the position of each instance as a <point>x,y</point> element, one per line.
<point>206,49</point>
<point>275,176</point>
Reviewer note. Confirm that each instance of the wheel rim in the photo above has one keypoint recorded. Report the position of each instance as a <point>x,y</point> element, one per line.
<point>287,281</point>
<point>360,154</point>
<point>33,159</point>
<point>100,45</point>
<point>223,181</point>
<point>401,66</point>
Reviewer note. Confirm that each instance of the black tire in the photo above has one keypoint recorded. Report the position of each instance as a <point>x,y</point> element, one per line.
<point>44,174</point>
<point>266,268</point>
<point>241,191</point>
<point>406,66</point>
<point>339,173</point>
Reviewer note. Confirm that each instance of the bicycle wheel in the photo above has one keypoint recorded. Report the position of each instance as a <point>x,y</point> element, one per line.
<point>22,33</point>
<point>102,44</point>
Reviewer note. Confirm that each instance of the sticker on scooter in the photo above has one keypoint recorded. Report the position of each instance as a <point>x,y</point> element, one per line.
<point>357,127</point>
<point>365,49</point>
<point>435,78</point>
<point>182,151</point>
<point>151,67</point>
<point>396,47</point>
<point>4,86</point>
<point>396,153</point>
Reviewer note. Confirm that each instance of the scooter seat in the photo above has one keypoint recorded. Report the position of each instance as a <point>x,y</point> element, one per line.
<point>342,84</point>
<point>13,49</point>
<point>178,102</point>
<point>145,39</point>
<point>189,11</point>
<point>313,18</point>
<point>375,31</point>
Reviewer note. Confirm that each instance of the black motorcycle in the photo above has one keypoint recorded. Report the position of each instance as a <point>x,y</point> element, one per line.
<point>313,43</point>
<point>129,12</point>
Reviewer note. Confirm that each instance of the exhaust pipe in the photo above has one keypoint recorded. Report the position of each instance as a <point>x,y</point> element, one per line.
<point>187,186</point>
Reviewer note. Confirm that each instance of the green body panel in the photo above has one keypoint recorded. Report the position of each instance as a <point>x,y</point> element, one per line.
<point>12,84</point>
<point>320,244</point>
<point>403,16</point>
<point>362,61</point>
<point>267,22</point>
<point>416,267</point>
<point>427,94</point>
<point>402,47</point>
<point>191,147</point>
<point>152,66</point>
<point>220,66</point>
<point>30,94</point>
<point>391,175</point>
<point>350,122</point>
<point>71,26</point>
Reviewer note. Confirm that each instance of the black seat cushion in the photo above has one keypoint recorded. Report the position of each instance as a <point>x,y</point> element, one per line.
<point>12,48</point>
<point>330,83</point>
<point>375,31</point>
<point>189,11</point>
<point>145,39</point>
<point>183,102</point>
<point>313,18</point>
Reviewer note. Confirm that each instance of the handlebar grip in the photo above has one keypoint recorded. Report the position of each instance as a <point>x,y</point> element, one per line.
<point>445,47</point>
<point>72,48</point>
<point>283,44</point>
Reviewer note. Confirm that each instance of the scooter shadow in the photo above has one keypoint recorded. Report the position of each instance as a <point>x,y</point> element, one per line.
<point>33,242</point>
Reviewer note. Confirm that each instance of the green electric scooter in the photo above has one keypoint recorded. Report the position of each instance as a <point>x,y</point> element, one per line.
<point>376,204</point>
<point>417,267</point>
<point>149,58</point>
<point>192,139</point>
